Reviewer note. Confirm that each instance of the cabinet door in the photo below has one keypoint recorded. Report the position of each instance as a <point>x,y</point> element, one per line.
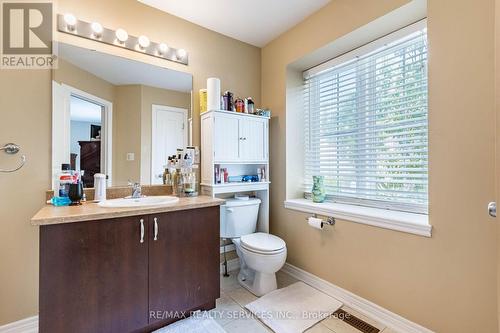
<point>253,135</point>
<point>183,262</point>
<point>226,142</point>
<point>93,277</point>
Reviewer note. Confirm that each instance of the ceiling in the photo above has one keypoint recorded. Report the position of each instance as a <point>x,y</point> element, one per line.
<point>82,110</point>
<point>123,71</point>
<point>255,22</point>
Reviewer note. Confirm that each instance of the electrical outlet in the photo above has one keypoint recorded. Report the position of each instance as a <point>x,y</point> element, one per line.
<point>130,156</point>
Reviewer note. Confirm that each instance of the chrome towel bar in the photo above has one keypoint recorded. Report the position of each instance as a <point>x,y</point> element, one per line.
<point>11,149</point>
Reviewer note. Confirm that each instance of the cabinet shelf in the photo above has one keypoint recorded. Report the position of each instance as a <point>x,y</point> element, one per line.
<point>236,113</point>
<point>241,184</point>
<point>242,163</point>
<point>231,188</point>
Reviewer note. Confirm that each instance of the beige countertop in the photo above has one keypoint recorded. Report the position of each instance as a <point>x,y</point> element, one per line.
<point>91,211</point>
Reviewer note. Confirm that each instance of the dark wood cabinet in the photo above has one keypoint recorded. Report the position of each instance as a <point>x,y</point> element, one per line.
<point>182,262</point>
<point>97,276</point>
<point>93,276</point>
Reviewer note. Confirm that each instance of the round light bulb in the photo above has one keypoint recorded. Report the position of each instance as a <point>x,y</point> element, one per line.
<point>163,48</point>
<point>70,21</point>
<point>121,35</point>
<point>96,29</point>
<point>181,53</point>
<point>143,41</point>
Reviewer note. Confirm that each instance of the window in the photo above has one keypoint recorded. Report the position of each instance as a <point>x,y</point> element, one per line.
<point>366,124</point>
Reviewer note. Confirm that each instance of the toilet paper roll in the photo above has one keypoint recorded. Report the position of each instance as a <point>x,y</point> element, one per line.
<point>213,93</point>
<point>315,222</point>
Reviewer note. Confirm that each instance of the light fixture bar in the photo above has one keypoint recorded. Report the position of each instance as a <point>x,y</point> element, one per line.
<point>121,39</point>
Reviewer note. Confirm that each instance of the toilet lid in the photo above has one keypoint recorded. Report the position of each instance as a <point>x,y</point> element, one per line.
<point>262,242</point>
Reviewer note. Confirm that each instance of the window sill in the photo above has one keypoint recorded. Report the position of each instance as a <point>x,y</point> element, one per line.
<point>417,224</point>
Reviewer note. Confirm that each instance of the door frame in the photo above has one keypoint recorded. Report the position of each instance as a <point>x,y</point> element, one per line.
<point>61,116</point>
<point>155,109</point>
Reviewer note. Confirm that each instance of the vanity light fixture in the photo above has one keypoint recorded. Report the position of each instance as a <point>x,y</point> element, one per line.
<point>162,49</point>
<point>96,29</point>
<point>68,23</point>
<point>181,53</point>
<point>121,36</point>
<point>144,42</point>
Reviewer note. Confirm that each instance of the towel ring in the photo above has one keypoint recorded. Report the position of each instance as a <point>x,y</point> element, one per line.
<point>11,149</point>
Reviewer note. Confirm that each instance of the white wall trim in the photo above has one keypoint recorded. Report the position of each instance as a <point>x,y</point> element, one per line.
<point>61,122</point>
<point>364,306</point>
<point>417,224</point>
<point>229,248</point>
<point>27,325</point>
<point>155,109</point>
<point>232,265</point>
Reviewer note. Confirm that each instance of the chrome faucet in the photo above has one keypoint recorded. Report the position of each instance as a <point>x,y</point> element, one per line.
<point>136,191</point>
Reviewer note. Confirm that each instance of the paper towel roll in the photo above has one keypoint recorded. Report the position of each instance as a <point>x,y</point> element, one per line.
<point>213,94</point>
<point>315,222</point>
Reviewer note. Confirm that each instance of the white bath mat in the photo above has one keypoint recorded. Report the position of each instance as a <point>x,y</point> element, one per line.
<point>198,323</point>
<point>293,309</point>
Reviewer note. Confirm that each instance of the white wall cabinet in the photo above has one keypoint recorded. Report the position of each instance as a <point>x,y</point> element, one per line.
<point>238,138</point>
<point>234,137</point>
<point>239,143</point>
<point>226,138</point>
<point>253,139</point>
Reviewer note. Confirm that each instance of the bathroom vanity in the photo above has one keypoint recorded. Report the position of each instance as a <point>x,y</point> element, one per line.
<point>127,269</point>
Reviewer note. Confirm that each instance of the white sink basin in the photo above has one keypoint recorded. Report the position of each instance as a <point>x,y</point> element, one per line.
<point>138,202</point>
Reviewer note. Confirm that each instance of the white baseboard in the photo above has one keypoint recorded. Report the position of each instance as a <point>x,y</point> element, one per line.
<point>229,248</point>
<point>372,310</point>
<point>232,265</point>
<point>27,325</point>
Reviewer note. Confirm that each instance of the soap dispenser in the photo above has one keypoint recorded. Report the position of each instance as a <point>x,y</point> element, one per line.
<point>99,187</point>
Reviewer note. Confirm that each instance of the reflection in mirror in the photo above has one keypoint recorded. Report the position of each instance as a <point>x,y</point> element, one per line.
<point>117,116</point>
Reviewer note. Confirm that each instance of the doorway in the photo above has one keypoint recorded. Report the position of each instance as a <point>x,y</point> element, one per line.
<point>81,125</point>
<point>168,133</point>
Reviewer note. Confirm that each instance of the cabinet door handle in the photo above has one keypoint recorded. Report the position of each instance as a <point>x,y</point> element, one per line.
<point>156,229</point>
<point>142,231</point>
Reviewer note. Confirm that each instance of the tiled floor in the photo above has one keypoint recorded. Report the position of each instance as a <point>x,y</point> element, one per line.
<point>232,316</point>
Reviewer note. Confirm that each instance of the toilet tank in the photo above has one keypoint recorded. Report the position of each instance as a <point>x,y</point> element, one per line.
<point>239,217</point>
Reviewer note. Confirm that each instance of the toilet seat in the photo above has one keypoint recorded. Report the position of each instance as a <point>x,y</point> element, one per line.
<point>263,243</point>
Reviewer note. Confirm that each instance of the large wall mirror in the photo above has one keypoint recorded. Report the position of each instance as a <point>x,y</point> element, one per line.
<point>117,116</point>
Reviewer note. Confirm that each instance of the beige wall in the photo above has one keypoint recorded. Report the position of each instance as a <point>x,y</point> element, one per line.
<point>25,106</point>
<point>152,96</point>
<point>127,134</point>
<point>76,77</point>
<point>448,282</point>
<point>497,91</point>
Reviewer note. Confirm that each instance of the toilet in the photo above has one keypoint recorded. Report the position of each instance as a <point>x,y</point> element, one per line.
<point>261,254</point>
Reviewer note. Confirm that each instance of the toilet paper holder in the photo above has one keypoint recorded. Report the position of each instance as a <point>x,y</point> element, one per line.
<point>329,220</point>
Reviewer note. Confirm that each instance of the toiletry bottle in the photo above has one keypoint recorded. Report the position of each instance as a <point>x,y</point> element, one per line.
<point>64,179</point>
<point>226,176</point>
<point>99,187</point>
<point>250,105</point>
<point>61,186</point>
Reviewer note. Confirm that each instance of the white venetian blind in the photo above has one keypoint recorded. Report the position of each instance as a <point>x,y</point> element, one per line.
<point>366,124</point>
